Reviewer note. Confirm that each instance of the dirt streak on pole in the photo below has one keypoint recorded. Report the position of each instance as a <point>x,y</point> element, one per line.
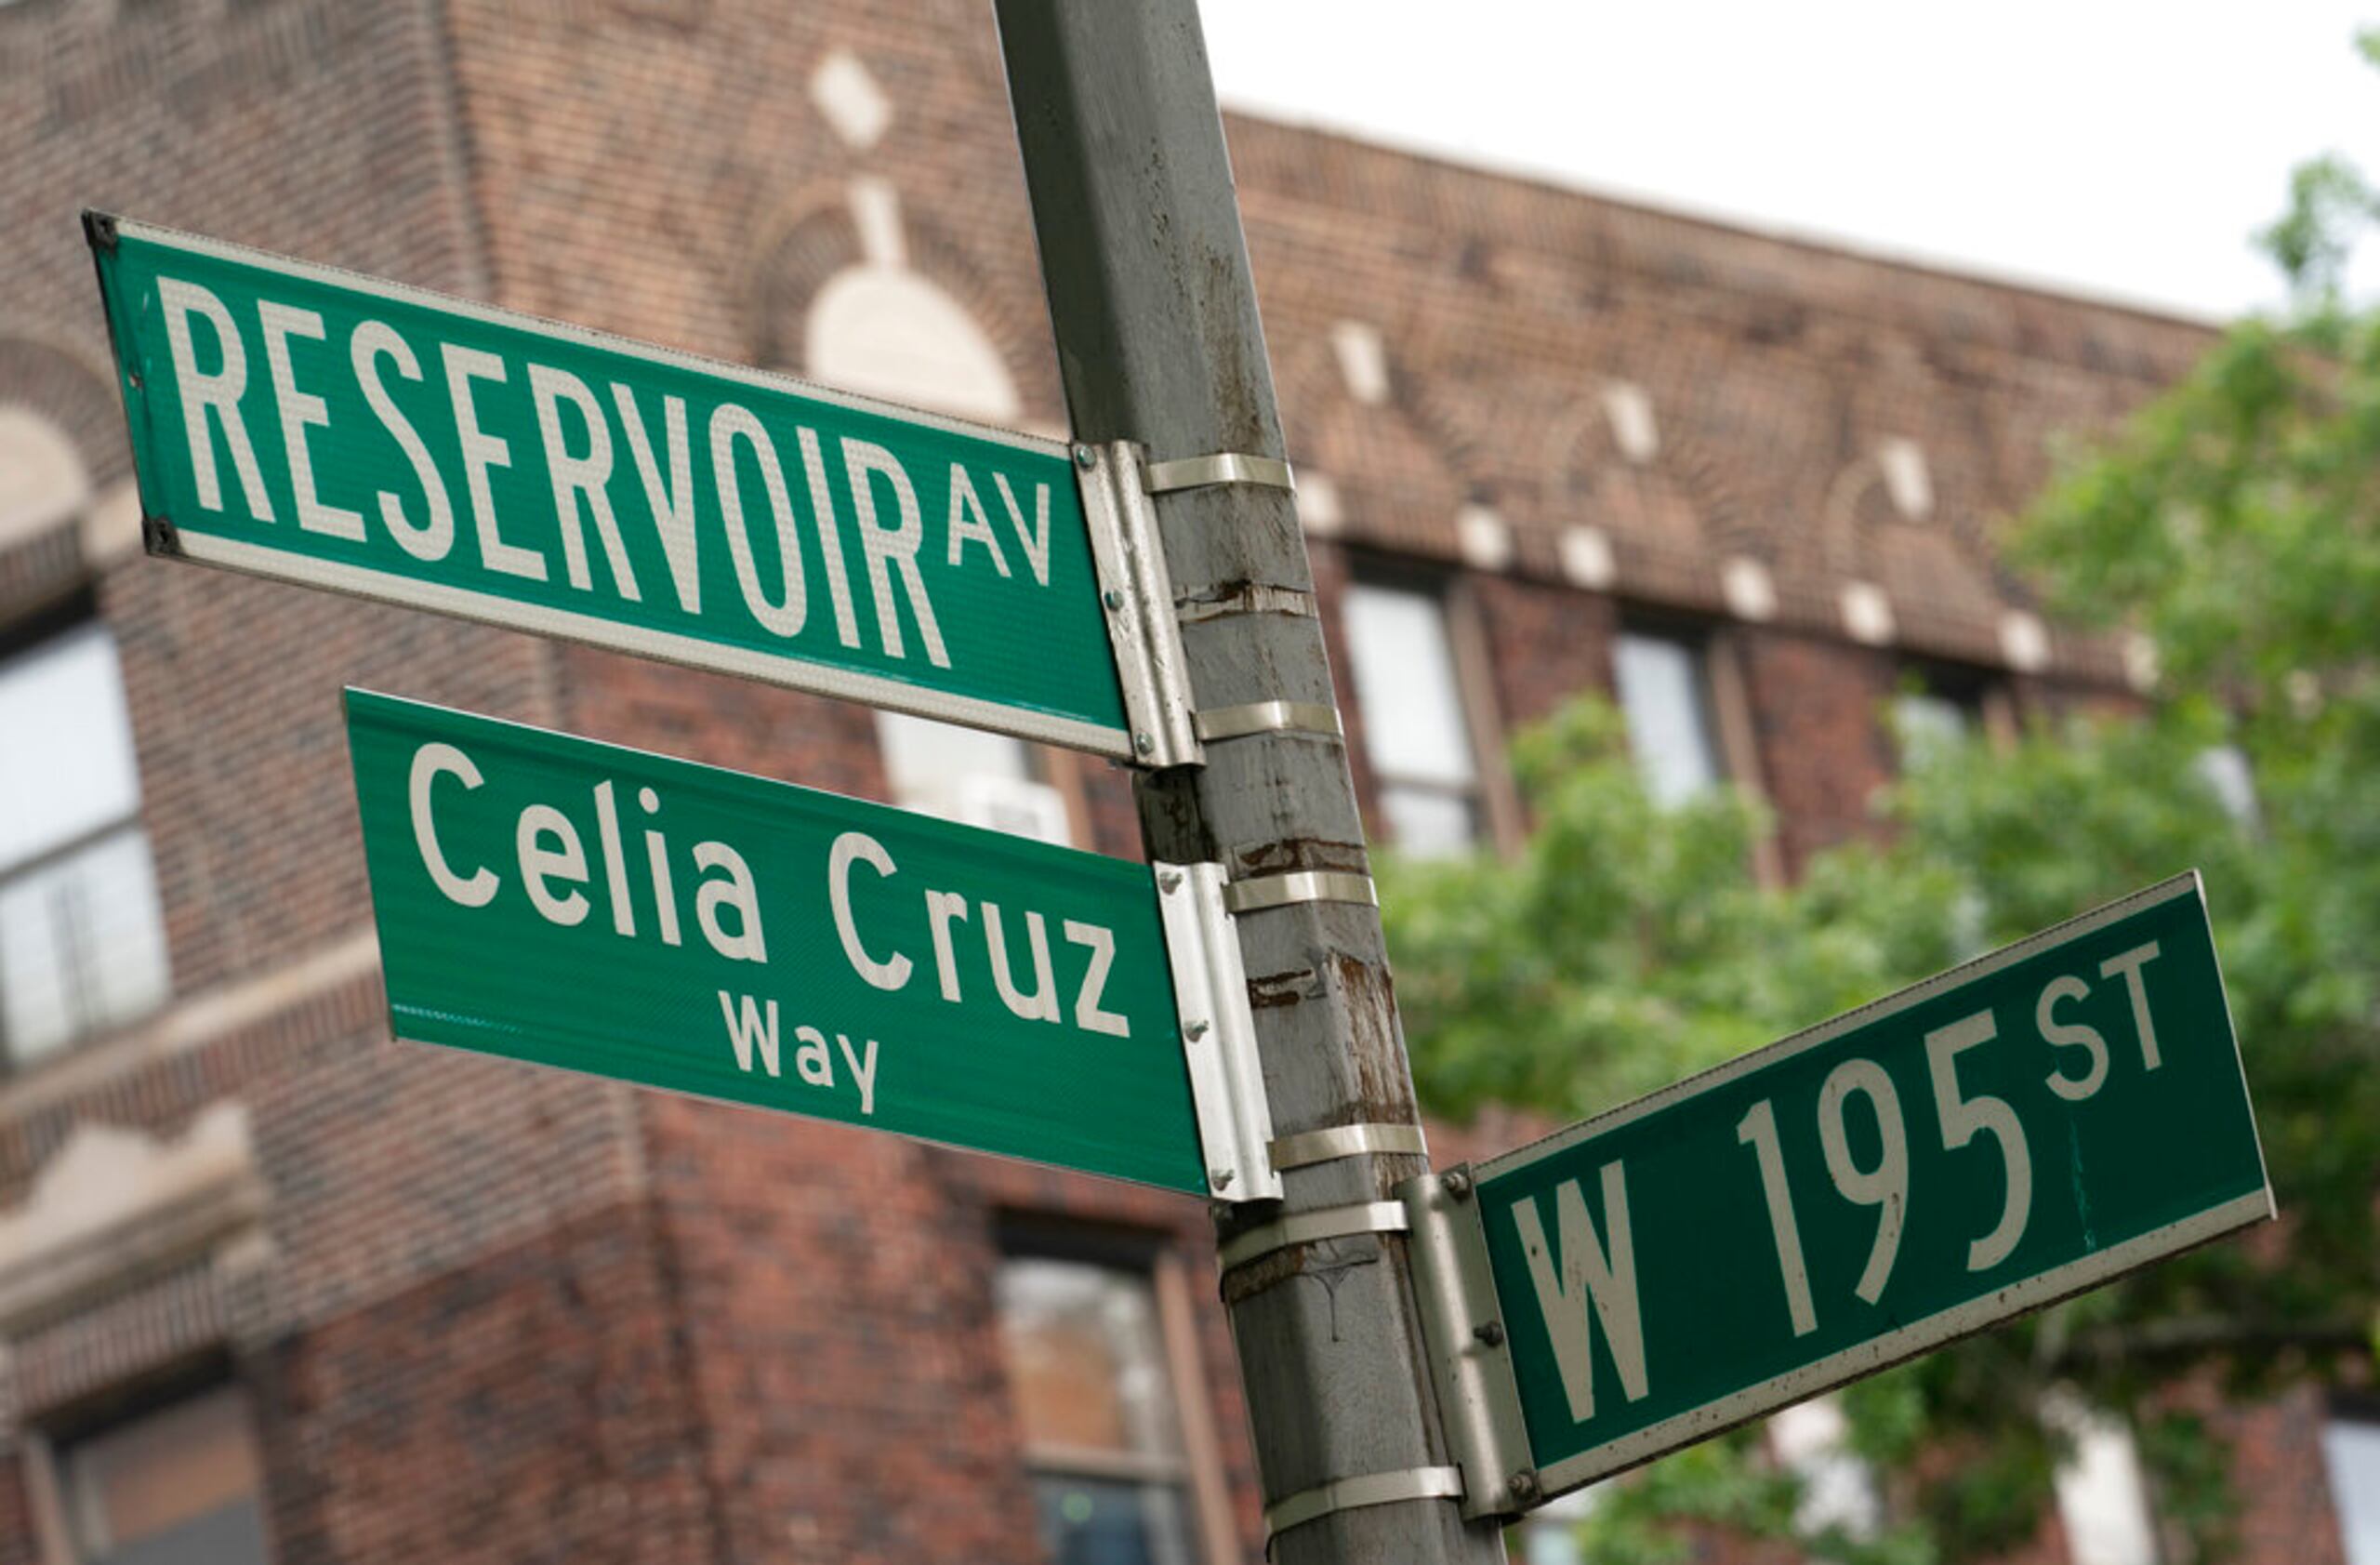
<point>1159,342</point>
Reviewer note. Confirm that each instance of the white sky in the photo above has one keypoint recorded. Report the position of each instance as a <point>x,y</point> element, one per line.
<point>2113,148</point>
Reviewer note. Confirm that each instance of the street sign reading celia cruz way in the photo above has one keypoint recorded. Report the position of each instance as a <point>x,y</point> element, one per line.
<point>320,427</point>
<point>574,904</point>
<point>2013,1132</point>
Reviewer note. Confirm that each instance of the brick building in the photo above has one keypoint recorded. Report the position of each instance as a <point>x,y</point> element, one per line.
<point>273,1287</point>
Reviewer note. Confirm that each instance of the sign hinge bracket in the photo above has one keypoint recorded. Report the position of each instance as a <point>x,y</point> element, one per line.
<point>1470,1361</point>
<point>1136,593</point>
<point>1217,1033</point>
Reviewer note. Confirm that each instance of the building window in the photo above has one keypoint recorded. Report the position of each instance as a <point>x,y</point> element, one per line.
<point>81,940</point>
<point>177,1484</point>
<point>2102,1494</point>
<point>965,775</point>
<point>1087,1359</point>
<point>1415,729</point>
<point>1940,704</point>
<point>2227,773</point>
<point>1812,1440</point>
<point>1664,682</point>
<point>2351,1451</point>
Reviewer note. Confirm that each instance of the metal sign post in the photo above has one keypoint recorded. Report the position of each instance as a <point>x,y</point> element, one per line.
<point>1147,272</point>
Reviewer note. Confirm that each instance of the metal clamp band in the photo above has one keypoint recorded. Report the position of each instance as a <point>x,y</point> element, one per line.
<point>1224,466</point>
<point>1304,1228</point>
<point>1349,1493</point>
<point>1299,885</point>
<point>1345,1141</point>
<point>1256,597</point>
<point>1269,717</point>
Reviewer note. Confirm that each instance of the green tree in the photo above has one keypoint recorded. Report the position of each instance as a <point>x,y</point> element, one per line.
<point>2235,523</point>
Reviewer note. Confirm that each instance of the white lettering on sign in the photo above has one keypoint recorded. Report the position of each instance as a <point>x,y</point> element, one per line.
<point>1884,1187</point>
<point>579,478</point>
<point>859,847</point>
<point>568,862</point>
<point>429,762</point>
<point>550,852</point>
<point>752,1034</point>
<point>671,501</point>
<point>945,909</point>
<point>300,412</point>
<point>2071,1035</point>
<point>892,550</point>
<point>481,452</point>
<point>600,461</point>
<point>430,541</point>
<point>218,394</point>
<point>1961,1116</point>
<point>786,616</point>
<point>968,525</point>
<point>1041,1005</point>
<point>1591,1274</point>
<point>2129,963</point>
<point>1757,1130</point>
<point>1088,1016</point>
<point>1035,543</point>
<point>830,539</point>
<point>749,1034</point>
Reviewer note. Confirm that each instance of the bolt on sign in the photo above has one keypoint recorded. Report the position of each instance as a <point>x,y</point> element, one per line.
<point>2013,1132</point>
<point>574,904</point>
<point>321,426</point>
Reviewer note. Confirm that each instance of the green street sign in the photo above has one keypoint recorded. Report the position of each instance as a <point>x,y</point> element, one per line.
<point>574,904</point>
<point>324,428</point>
<point>2013,1132</point>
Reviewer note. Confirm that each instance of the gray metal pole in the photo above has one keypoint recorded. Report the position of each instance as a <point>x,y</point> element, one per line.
<point>1159,342</point>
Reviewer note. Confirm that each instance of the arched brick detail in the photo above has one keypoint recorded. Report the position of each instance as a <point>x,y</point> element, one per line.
<point>74,389</point>
<point>799,254</point>
<point>1306,386</point>
<point>1014,318</point>
<point>795,255</point>
<point>1589,479</point>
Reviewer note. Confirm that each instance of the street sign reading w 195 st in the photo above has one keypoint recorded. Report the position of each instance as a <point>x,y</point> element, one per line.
<point>2013,1132</point>
<point>574,904</point>
<point>320,427</point>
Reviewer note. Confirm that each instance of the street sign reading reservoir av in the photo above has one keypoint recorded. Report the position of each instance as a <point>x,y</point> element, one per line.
<point>2010,1132</point>
<point>574,904</point>
<point>329,428</point>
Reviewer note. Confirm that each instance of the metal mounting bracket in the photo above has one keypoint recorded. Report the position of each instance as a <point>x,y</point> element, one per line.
<point>1471,1362</point>
<point>1224,467</point>
<point>1217,1033</point>
<point>1348,1494</point>
<point>1137,593</point>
